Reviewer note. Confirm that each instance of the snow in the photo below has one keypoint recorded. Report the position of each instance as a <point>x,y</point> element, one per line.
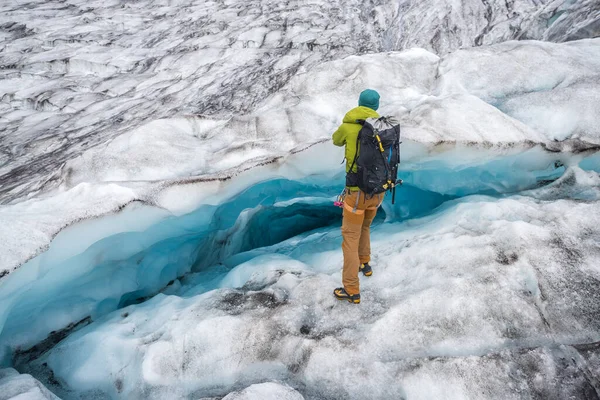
<point>558,99</point>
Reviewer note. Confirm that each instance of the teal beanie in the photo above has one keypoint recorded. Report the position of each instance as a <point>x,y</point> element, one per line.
<point>369,98</point>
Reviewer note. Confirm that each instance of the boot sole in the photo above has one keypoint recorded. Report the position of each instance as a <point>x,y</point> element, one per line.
<point>349,300</point>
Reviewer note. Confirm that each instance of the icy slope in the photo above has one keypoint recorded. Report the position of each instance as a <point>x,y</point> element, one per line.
<point>76,74</point>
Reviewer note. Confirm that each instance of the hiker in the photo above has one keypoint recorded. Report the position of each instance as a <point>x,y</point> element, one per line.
<point>360,206</point>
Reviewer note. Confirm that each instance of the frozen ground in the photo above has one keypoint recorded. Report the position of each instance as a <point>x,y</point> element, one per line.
<point>167,228</point>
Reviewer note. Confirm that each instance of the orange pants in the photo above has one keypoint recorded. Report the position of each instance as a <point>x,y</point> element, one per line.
<point>359,212</point>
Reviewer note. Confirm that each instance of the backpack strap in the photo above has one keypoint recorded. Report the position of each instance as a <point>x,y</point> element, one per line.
<point>362,123</point>
<point>355,156</point>
<point>389,183</point>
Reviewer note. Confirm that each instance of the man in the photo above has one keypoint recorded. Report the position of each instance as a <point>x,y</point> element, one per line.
<point>359,209</point>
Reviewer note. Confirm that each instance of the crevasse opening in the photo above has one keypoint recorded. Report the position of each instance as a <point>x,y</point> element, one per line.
<point>192,253</point>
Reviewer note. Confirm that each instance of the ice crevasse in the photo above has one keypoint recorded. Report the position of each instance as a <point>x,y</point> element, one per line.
<point>201,276</point>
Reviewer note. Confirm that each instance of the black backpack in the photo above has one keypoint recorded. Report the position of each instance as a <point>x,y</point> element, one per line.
<point>377,157</point>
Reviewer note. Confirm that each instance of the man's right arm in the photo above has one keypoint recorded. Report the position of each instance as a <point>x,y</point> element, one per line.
<point>339,136</point>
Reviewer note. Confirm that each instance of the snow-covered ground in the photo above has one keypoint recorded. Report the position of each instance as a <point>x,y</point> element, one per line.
<point>149,147</point>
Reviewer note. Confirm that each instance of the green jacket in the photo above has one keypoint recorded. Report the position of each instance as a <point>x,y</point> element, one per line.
<point>347,133</point>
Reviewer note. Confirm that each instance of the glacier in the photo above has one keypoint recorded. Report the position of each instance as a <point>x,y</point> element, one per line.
<point>484,286</point>
<point>76,74</point>
<point>166,200</point>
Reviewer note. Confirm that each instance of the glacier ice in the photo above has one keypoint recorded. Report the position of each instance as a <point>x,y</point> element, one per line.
<point>481,284</point>
<point>104,264</point>
<point>78,74</point>
<point>22,387</point>
<point>436,100</point>
<point>265,391</point>
<point>167,227</point>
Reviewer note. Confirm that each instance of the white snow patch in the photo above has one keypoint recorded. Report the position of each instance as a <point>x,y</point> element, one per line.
<point>265,391</point>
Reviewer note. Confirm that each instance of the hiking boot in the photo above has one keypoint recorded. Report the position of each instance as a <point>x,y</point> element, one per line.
<point>341,294</point>
<point>366,269</point>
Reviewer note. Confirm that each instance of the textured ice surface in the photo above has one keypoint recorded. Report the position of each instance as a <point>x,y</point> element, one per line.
<point>457,143</point>
<point>183,149</point>
<point>459,112</point>
<point>485,298</point>
<point>265,391</point>
<point>79,73</point>
<point>22,387</point>
<point>472,96</point>
<point>106,263</point>
<point>547,92</point>
<point>171,163</point>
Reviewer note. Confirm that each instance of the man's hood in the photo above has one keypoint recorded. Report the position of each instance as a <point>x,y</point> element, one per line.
<point>359,112</point>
